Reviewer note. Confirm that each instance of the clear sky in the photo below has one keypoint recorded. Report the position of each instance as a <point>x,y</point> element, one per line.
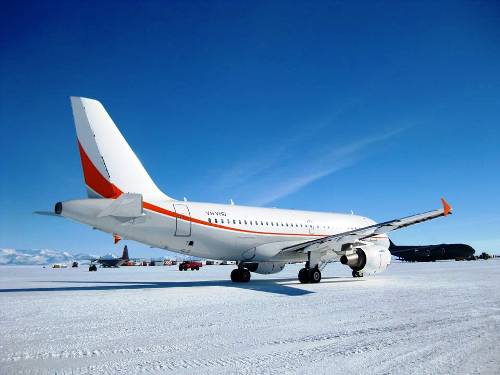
<point>376,107</point>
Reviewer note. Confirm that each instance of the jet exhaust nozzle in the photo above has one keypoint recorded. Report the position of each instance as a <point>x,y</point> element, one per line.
<point>350,260</point>
<point>58,208</point>
<point>356,260</point>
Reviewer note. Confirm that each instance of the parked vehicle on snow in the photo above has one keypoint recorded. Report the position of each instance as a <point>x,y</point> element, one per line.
<point>190,264</point>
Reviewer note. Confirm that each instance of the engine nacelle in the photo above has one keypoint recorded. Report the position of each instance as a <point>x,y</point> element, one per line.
<point>264,268</point>
<point>370,260</point>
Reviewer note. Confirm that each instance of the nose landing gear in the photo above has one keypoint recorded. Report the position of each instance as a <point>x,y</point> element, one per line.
<point>357,274</point>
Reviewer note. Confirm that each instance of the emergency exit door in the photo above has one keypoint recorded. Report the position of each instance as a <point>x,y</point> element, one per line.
<point>183,223</point>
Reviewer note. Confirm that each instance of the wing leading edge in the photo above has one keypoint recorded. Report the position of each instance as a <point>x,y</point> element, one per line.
<point>339,239</point>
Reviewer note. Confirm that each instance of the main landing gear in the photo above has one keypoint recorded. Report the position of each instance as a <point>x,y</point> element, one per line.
<point>312,275</point>
<point>240,275</point>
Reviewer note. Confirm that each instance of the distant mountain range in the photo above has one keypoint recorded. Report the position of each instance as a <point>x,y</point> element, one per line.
<point>38,257</point>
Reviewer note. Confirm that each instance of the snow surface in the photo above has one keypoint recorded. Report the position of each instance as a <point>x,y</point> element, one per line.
<point>421,318</point>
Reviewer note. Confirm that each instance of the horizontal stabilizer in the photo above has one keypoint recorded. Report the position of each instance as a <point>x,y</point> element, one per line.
<point>127,205</point>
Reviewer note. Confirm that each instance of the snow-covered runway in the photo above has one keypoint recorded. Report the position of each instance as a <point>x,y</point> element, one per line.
<point>418,318</point>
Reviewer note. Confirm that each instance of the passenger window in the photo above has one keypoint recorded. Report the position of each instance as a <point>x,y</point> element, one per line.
<point>234,221</point>
<point>245,222</point>
<point>215,220</point>
<point>209,220</point>
<point>271,223</point>
<point>261,222</point>
<point>239,221</point>
<point>222,221</point>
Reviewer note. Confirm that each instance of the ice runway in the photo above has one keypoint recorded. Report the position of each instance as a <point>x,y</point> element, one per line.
<point>434,318</point>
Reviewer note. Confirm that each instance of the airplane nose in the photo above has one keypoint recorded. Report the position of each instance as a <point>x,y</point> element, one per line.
<point>58,208</point>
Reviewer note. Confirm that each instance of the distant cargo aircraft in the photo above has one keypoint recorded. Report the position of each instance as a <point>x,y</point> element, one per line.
<point>431,253</point>
<point>124,200</point>
<point>109,261</point>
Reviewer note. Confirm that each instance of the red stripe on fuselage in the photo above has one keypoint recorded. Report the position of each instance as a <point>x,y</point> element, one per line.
<point>164,211</point>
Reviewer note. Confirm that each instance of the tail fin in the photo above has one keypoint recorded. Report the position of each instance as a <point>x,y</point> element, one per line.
<point>125,253</point>
<point>110,167</point>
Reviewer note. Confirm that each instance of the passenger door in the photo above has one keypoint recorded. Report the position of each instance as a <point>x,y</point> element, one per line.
<point>183,224</point>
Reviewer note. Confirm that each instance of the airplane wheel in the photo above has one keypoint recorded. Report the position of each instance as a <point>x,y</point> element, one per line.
<point>235,275</point>
<point>357,274</point>
<point>92,267</point>
<point>304,276</point>
<point>240,275</point>
<point>314,275</point>
<point>245,275</point>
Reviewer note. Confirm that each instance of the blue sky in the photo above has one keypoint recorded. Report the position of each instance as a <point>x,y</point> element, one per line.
<point>376,107</point>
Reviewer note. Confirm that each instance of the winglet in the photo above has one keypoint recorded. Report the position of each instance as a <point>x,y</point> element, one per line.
<point>446,207</point>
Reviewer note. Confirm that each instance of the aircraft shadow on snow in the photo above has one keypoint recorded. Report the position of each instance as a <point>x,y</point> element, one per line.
<point>275,286</point>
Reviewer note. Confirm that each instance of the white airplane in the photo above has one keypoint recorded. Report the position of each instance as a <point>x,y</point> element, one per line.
<point>123,200</point>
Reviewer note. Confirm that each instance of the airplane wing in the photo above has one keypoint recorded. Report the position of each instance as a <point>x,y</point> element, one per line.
<point>336,241</point>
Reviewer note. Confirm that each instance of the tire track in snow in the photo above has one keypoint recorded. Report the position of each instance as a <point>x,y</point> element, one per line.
<point>321,348</point>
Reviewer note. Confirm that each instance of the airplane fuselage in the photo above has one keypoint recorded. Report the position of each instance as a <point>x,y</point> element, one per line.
<point>430,253</point>
<point>217,231</point>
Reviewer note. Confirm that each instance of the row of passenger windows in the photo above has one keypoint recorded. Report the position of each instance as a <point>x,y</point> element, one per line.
<point>257,222</point>
<point>266,223</point>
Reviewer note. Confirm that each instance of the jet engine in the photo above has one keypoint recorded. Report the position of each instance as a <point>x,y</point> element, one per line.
<point>369,260</point>
<point>264,268</point>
